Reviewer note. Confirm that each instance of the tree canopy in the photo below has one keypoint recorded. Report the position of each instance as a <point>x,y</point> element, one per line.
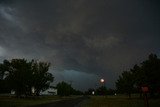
<point>22,75</point>
<point>65,89</point>
<point>146,73</point>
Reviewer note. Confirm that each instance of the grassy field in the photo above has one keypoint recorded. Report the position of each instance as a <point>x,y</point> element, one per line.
<point>94,101</point>
<point>6,101</point>
<point>114,101</point>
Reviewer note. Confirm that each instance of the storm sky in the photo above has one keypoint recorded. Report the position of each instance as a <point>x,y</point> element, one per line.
<point>84,40</point>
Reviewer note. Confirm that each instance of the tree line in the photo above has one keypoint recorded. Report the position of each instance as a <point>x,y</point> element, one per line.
<point>146,74</point>
<point>24,76</point>
<point>65,89</point>
<point>102,91</point>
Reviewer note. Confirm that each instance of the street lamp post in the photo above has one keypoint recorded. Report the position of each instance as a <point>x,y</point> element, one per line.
<point>102,82</point>
<point>103,86</point>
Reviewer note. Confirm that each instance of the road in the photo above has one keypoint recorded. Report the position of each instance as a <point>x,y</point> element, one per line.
<point>64,103</point>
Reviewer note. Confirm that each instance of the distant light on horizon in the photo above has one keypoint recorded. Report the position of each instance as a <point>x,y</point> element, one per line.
<point>102,80</point>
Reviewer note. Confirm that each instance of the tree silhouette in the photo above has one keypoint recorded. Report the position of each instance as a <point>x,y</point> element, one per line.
<point>146,74</point>
<point>40,76</point>
<point>22,75</point>
<point>125,83</point>
<point>64,89</point>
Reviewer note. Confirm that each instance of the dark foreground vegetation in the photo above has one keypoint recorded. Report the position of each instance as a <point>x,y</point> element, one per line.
<point>92,101</point>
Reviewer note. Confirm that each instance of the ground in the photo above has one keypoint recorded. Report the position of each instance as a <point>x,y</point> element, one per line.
<point>117,101</point>
<point>10,101</point>
<point>77,101</point>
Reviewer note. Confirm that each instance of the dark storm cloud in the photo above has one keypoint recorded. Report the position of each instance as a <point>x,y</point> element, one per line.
<point>99,37</point>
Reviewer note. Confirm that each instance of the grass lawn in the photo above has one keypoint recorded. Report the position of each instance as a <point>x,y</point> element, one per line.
<point>6,101</point>
<point>114,101</point>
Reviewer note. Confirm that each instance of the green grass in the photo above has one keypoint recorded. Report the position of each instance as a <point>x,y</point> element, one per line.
<point>6,101</point>
<point>114,101</point>
<point>94,101</point>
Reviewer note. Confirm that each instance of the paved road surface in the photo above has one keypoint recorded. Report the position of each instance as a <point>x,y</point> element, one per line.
<point>64,103</point>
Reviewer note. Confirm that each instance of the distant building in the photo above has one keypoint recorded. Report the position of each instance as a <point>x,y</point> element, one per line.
<point>49,91</point>
<point>13,92</point>
<point>93,92</point>
<point>33,90</point>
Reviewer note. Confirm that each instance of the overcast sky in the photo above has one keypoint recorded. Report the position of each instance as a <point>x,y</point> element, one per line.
<point>85,40</point>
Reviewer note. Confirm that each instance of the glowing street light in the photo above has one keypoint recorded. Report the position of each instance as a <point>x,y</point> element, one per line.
<point>102,80</point>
